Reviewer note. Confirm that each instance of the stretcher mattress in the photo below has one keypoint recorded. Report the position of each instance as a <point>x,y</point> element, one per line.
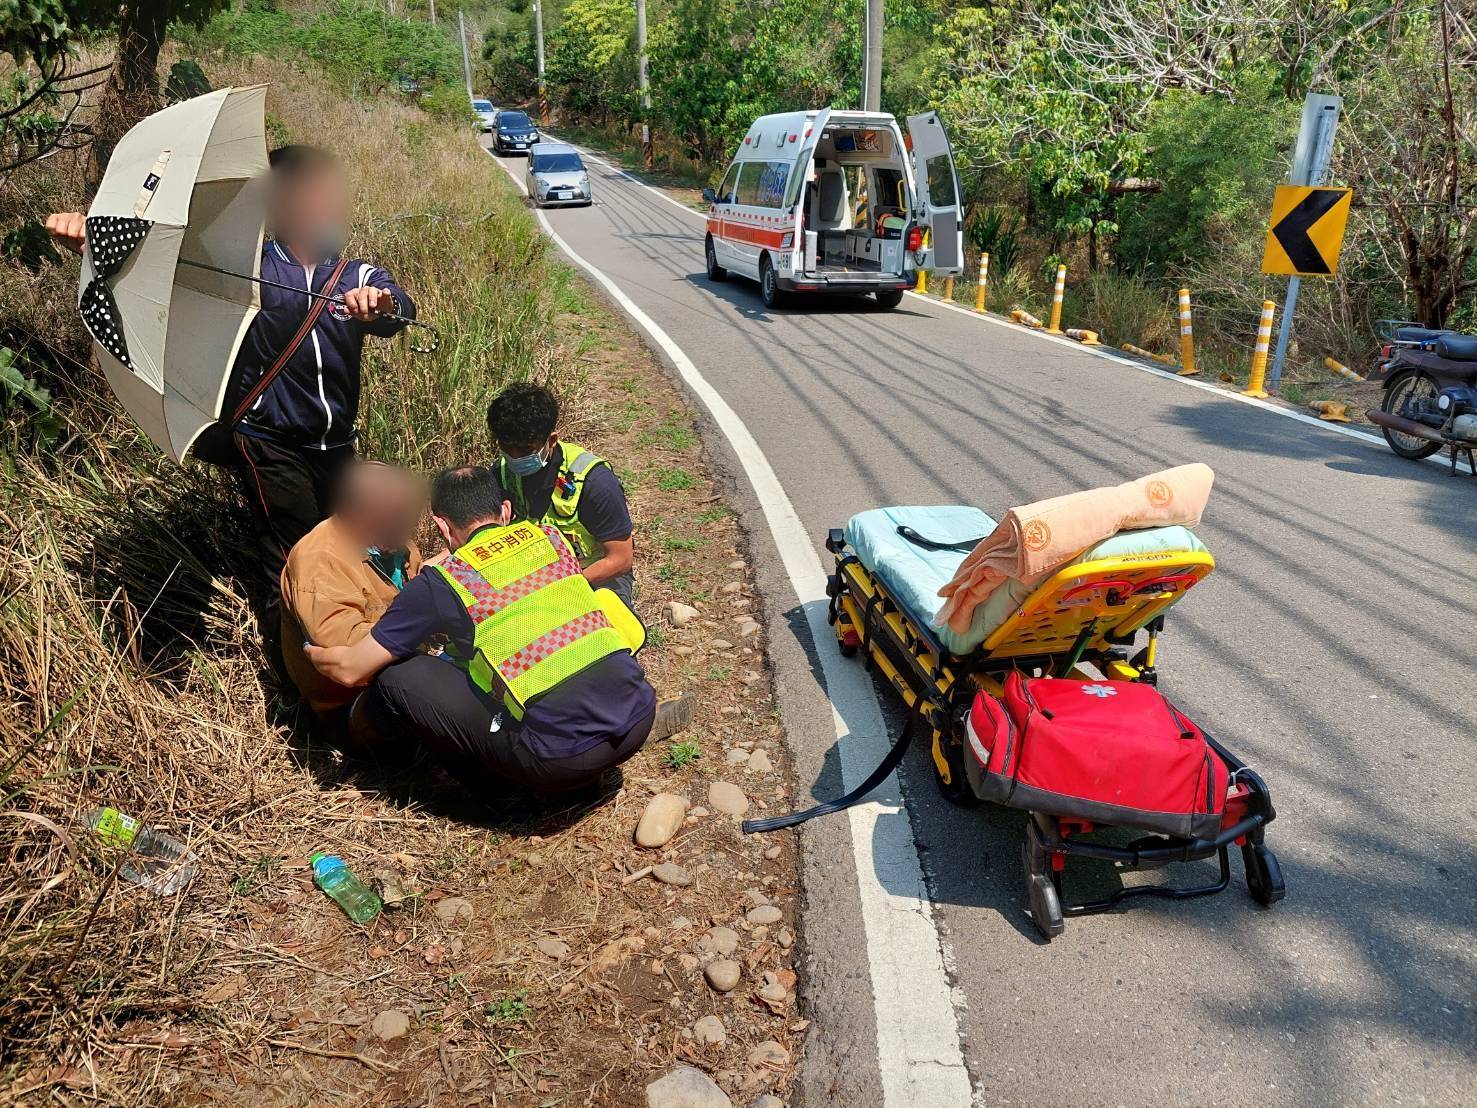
<point>914,574</point>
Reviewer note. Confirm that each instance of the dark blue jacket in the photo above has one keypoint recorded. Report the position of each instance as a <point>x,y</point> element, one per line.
<point>314,401</point>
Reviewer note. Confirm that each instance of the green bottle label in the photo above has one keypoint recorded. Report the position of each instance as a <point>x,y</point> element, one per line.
<point>116,828</point>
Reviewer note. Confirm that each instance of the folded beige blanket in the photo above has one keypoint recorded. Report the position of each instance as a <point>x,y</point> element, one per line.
<point>1033,540</point>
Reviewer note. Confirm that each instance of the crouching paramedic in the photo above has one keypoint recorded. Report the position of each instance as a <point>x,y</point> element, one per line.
<point>564,485</point>
<point>535,679</point>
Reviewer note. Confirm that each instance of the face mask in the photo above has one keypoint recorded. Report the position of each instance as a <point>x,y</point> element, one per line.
<point>527,465</point>
<point>329,240</point>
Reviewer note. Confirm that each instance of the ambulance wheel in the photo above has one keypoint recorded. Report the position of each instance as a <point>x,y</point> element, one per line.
<point>889,300</point>
<point>710,253</point>
<point>1041,896</point>
<point>1263,874</point>
<point>956,790</point>
<point>769,284</point>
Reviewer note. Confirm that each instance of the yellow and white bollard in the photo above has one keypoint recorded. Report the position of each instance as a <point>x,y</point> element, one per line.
<point>1130,348</point>
<point>1341,369</point>
<point>1187,339</point>
<point>979,293</point>
<point>1257,386</point>
<point>1025,318</point>
<point>1331,411</point>
<point>1086,338</point>
<point>1057,293</point>
<point>949,287</point>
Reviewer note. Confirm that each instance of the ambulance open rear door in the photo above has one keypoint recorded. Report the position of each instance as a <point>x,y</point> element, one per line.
<point>937,183</point>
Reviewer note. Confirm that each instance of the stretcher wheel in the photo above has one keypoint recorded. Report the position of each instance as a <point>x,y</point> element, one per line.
<point>956,790</point>
<point>847,650</point>
<point>1041,895</point>
<point>1263,874</point>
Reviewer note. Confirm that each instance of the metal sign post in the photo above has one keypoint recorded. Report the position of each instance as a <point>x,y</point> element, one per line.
<point>1310,158</point>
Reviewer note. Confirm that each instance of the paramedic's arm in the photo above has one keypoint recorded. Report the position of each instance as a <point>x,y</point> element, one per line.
<point>350,666</point>
<point>620,554</point>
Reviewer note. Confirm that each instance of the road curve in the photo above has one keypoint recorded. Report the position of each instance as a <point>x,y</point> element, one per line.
<point>1332,649</point>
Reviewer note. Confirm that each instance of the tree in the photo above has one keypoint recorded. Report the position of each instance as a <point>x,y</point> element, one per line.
<point>39,105</point>
<point>132,89</point>
<point>591,63</point>
<point>1408,146</point>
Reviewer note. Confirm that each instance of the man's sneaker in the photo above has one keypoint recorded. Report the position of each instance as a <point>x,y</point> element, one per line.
<point>672,716</point>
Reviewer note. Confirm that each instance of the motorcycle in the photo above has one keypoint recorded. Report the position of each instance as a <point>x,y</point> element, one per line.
<point>1430,391</point>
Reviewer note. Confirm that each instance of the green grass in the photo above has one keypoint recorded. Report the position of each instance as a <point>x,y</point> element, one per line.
<point>255,878</point>
<point>681,754</point>
<point>714,514</point>
<point>684,544</point>
<point>674,433</point>
<point>720,673</point>
<point>674,574</point>
<point>509,1008</point>
<point>674,480</point>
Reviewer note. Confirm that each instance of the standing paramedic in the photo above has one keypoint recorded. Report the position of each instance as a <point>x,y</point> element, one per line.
<point>299,432</point>
<point>546,480</point>
<point>533,678</point>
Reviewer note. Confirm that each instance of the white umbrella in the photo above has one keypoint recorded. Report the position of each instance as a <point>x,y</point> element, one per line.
<point>183,182</point>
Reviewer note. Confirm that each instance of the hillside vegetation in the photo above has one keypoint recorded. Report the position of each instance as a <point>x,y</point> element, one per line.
<point>1136,141</point>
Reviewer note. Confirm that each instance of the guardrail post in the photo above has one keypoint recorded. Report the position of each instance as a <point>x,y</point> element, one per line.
<point>979,293</point>
<point>1257,385</point>
<point>1055,326</point>
<point>1187,339</point>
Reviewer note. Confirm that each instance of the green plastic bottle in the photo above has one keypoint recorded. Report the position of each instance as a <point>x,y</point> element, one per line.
<point>356,898</point>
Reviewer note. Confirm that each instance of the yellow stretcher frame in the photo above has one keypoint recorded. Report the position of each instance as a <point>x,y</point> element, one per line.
<point>1088,611</point>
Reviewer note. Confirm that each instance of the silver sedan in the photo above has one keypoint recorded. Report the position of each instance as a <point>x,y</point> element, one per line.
<point>557,175</point>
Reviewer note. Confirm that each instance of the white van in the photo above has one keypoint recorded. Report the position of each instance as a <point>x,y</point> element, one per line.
<point>837,201</point>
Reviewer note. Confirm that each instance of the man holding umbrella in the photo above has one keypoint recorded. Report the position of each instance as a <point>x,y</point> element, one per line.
<point>298,432</point>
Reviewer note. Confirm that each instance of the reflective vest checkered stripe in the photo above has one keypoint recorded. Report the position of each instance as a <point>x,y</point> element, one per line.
<point>492,599</point>
<point>547,644</point>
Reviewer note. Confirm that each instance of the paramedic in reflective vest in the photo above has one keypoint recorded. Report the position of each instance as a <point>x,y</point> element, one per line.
<point>534,677</point>
<point>548,481</point>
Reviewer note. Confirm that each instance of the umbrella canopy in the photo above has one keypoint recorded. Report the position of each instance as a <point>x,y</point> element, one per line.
<point>185,182</point>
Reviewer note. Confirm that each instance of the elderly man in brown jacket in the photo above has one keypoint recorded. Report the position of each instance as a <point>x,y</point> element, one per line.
<point>341,576</point>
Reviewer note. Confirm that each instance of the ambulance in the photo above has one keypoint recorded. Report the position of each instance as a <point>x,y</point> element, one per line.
<point>837,202</point>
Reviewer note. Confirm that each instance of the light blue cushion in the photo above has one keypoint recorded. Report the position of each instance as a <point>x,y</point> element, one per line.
<point>914,575</point>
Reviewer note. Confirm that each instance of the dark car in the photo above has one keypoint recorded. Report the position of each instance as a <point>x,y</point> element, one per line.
<point>514,132</point>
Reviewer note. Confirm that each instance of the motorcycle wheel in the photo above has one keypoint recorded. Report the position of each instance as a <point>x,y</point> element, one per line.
<point>1413,385</point>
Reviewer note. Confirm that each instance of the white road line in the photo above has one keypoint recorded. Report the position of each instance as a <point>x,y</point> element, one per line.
<point>918,1051</point>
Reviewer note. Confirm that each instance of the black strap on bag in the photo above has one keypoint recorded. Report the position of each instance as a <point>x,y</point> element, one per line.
<point>963,547</point>
<point>841,803</point>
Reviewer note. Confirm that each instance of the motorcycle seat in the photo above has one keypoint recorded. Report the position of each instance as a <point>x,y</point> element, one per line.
<point>1457,348</point>
<point>1417,334</point>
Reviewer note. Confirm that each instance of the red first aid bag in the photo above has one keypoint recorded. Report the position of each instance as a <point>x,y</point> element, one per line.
<point>1112,752</point>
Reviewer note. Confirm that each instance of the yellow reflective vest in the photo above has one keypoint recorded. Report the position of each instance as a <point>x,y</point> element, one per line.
<point>575,464</point>
<point>536,621</point>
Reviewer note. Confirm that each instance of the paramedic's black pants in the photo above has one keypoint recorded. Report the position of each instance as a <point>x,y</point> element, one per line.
<point>430,701</point>
<point>289,492</point>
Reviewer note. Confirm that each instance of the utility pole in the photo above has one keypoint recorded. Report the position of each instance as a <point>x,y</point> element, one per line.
<point>872,77</point>
<point>433,13</point>
<point>461,27</point>
<point>543,92</point>
<point>645,82</point>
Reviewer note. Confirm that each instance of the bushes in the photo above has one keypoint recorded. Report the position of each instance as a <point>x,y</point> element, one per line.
<point>1121,309</point>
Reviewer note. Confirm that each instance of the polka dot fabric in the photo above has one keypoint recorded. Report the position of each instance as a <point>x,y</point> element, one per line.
<point>110,240</point>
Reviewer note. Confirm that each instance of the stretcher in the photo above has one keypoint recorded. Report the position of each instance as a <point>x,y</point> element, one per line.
<point>1097,618</point>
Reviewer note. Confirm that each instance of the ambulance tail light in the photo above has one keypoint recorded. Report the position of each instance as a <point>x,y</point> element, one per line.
<point>915,239</point>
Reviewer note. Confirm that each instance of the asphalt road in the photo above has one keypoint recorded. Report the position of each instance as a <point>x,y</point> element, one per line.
<point>1332,649</point>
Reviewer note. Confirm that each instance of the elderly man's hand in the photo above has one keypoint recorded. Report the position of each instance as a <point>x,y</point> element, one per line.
<point>68,229</point>
<point>367,304</point>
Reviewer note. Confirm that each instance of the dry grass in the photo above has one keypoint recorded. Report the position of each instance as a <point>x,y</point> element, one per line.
<point>130,675</point>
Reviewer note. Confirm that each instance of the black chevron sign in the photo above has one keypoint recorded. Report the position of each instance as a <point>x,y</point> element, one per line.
<point>1307,231</point>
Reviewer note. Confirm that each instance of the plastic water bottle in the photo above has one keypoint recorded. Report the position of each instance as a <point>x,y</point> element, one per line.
<point>338,881</point>
<point>155,861</point>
